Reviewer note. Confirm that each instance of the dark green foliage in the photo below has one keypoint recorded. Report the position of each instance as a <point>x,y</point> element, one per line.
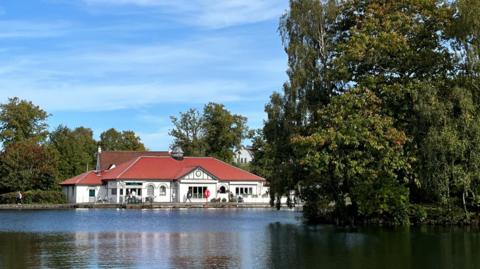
<point>188,132</point>
<point>27,165</point>
<point>223,131</point>
<point>75,149</point>
<point>356,160</point>
<point>420,61</point>
<point>114,140</point>
<point>21,120</point>
<point>35,197</point>
<point>216,132</point>
<point>28,161</point>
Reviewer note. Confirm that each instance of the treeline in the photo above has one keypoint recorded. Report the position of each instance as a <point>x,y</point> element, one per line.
<point>32,158</point>
<point>379,119</point>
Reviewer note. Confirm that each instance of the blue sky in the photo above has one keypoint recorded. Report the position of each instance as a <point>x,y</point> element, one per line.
<point>130,64</point>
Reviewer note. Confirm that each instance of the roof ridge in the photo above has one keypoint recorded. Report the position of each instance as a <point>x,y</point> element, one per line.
<point>129,166</point>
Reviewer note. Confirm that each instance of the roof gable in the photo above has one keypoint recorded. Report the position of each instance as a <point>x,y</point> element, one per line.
<point>197,173</point>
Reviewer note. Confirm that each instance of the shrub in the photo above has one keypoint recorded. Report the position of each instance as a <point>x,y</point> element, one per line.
<point>417,214</point>
<point>35,197</point>
<point>8,198</point>
<point>224,200</point>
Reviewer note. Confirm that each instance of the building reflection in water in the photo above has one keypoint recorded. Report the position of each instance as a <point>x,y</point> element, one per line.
<point>273,246</point>
<point>120,249</point>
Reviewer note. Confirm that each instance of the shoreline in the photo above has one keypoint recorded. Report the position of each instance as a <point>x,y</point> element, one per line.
<point>136,206</point>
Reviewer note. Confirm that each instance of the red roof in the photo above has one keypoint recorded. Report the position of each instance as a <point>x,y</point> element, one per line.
<point>108,158</point>
<point>87,178</point>
<point>168,168</point>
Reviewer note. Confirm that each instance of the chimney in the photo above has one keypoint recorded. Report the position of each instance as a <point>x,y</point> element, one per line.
<point>99,153</point>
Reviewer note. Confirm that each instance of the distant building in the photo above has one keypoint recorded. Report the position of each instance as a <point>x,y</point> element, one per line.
<point>243,156</point>
<point>163,177</point>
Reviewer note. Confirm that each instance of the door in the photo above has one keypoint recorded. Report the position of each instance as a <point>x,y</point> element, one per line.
<point>91,195</point>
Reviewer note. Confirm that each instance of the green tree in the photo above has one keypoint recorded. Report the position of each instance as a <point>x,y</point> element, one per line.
<point>88,144</point>
<point>355,159</point>
<point>26,165</point>
<point>223,131</point>
<point>74,149</point>
<point>188,132</point>
<point>126,140</point>
<point>21,120</point>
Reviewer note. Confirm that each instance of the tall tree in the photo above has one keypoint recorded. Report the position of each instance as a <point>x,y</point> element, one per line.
<point>223,131</point>
<point>125,140</point>
<point>419,58</point>
<point>355,159</point>
<point>188,132</point>
<point>26,165</point>
<point>74,149</point>
<point>88,144</point>
<point>308,36</point>
<point>22,120</point>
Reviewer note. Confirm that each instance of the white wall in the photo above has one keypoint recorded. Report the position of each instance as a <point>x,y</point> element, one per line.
<point>157,197</point>
<point>243,156</point>
<point>82,193</point>
<point>104,193</point>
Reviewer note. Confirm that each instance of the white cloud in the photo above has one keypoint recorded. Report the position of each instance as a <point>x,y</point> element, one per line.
<point>69,97</point>
<point>206,13</point>
<point>111,77</point>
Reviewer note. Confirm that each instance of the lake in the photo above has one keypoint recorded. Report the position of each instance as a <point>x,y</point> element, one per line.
<point>220,238</point>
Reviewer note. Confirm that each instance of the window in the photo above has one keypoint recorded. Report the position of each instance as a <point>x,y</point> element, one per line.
<point>223,189</point>
<point>244,190</point>
<point>197,192</point>
<point>91,193</point>
<point>114,191</point>
<point>150,191</point>
<point>163,190</point>
<point>121,191</point>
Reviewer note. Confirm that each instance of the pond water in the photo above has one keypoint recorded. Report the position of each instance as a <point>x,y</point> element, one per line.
<point>220,238</point>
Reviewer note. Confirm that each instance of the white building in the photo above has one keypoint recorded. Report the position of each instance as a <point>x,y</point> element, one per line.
<point>165,179</point>
<point>243,156</point>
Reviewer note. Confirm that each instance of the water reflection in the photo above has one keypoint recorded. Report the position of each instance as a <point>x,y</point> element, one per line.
<point>241,240</point>
<point>329,247</point>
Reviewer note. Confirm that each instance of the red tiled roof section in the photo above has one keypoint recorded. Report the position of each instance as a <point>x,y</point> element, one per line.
<point>148,167</point>
<point>87,178</point>
<point>107,158</point>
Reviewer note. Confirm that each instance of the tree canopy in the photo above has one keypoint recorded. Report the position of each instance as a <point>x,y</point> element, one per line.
<point>21,120</point>
<point>216,132</point>
<point>415,64</point>
<point>113,140</point>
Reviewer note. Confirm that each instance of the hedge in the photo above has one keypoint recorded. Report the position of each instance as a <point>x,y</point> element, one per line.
<point>35,197</point>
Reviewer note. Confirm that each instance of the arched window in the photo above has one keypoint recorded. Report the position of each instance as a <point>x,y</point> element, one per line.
<point>163,190</point>
<point>223,189</point>
<point>150,191</point>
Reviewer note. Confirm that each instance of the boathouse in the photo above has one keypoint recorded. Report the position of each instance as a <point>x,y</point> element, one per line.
<point>127,176</point>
